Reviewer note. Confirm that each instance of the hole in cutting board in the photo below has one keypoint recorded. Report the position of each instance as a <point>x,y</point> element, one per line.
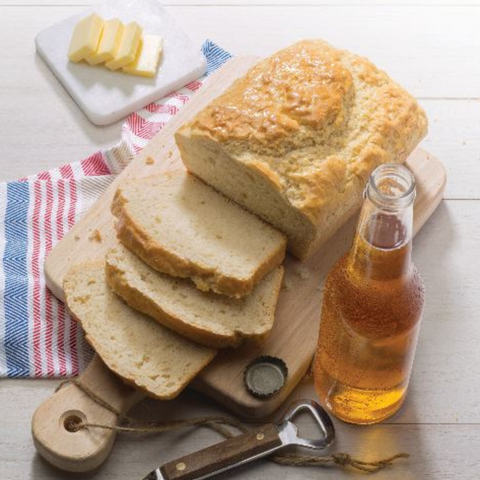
<point>71,423</point>
<point>71,420</point>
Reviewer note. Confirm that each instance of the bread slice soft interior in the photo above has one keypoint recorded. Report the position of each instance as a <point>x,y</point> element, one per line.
<point>208,318</point>
<point>134,346</point>
<point>182,227</point>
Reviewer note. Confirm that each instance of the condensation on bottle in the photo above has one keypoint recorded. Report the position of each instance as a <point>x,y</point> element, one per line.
<point>372,307</point>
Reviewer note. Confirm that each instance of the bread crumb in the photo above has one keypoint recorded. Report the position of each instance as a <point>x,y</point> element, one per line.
<point>76,238</point>
<point>170,153</point>
<point>308,377</point>
<point>149,161</point>
<point>96,236</point>
<point>302,272</point>
<point>83,299</point>
<point>286,284</point>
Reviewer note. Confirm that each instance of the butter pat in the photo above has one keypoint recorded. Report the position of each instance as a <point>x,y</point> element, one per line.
<point>109,42</point>
<point>128,47</point>
<point>146,62</point>
<point>85,38</point>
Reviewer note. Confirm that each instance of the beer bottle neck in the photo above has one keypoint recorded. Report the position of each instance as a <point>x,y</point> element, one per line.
<point>383,240</point>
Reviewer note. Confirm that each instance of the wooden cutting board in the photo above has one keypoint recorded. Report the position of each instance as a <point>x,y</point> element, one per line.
<point>297,318</point>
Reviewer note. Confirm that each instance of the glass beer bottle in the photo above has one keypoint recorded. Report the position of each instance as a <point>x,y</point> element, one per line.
<point>372,307</point>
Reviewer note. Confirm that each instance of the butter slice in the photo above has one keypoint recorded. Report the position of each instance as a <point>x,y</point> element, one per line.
<point>109,42</point>
<point>127,49</point>
<point>85,38</point>
<point>145,65</point>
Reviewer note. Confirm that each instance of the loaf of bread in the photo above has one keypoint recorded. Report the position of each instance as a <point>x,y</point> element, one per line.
<point>204,317</point>
<point>297,137</point>
<point>182,227</point>
<point>137,348</point>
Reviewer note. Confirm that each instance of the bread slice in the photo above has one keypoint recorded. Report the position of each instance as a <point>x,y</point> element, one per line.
<point>181,226</point>
<point>134,346</point>
<point>295,140</point>
<point>204,317</point>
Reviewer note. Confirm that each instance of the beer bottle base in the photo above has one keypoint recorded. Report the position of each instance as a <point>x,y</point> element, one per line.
<point>362,406</point>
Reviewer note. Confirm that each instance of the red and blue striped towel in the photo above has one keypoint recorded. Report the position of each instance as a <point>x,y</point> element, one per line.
<point>37,336</point>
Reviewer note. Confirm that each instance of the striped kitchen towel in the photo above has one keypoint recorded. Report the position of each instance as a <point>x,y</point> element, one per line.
<point>37,336</point>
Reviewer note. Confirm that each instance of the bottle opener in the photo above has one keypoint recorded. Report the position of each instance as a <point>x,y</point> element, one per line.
<point>250,446</point>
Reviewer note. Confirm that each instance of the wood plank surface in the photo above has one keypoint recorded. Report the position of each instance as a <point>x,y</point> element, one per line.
<point>438,450</point>
<point>454,136</point>
<point>440,423</point>
<point>449,43</point>
<point>253,3</point>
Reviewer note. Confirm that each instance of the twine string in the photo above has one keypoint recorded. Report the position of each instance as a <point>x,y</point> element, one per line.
<point>219,424</point>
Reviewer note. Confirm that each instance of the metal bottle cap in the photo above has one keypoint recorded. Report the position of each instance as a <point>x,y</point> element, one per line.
<point>265,376</point>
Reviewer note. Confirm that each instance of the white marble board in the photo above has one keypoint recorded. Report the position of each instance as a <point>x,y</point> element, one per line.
<point>104,96</point>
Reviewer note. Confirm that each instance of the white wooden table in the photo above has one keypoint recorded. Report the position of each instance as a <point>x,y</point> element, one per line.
<point>433,49</point>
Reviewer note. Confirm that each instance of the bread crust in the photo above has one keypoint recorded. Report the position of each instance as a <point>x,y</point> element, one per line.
<point>310,122</point>
<point>136,299</point>
<point>140,242</point>
<point>134,383</point>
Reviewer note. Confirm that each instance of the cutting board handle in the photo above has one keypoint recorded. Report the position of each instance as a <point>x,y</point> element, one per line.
<point>85,449</point>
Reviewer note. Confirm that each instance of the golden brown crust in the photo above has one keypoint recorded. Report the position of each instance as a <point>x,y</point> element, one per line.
<point>315,121</point>
<point>138,240</point>
<point>303,86</point>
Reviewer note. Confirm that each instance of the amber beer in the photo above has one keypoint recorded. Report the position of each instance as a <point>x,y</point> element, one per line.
<point>372,307</point>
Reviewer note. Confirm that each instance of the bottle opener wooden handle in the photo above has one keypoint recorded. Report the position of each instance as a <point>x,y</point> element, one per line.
<point>85,449</point>
<point>223,455</point>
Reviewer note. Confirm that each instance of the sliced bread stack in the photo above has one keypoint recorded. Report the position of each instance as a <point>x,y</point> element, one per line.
<point>193,272</point>
<point>182,227</point>
<point>205,317</point>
